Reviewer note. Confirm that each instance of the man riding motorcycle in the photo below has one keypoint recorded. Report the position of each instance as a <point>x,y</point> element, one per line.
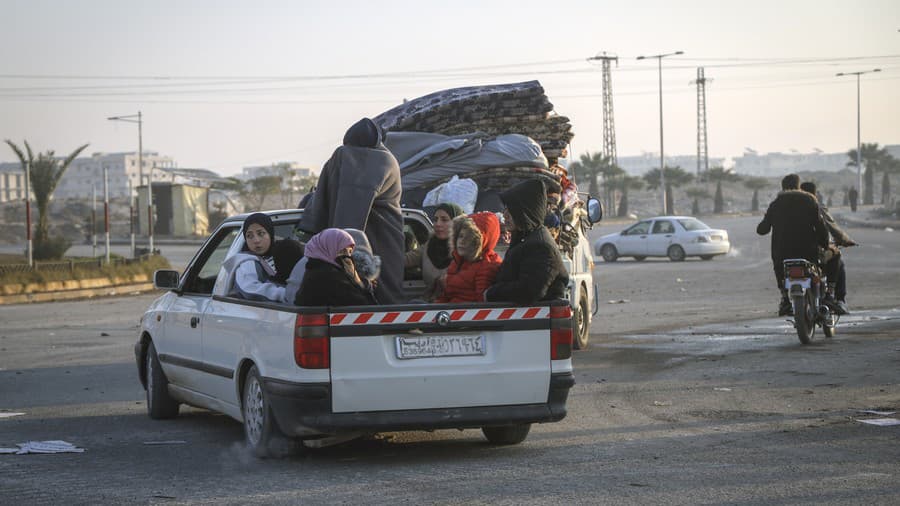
<point>798,231</point>
<point>830,257</point>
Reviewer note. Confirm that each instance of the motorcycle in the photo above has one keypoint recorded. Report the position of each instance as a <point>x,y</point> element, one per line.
<point>807,288</point>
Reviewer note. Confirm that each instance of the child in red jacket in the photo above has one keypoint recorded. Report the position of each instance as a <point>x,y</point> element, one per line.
<point>475,263</point>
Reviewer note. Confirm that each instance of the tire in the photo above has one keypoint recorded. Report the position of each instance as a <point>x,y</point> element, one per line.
<point>706,257</point>
<point>160,405</point>
<point>507,434</point>
<point>609,253</point>
<point>580,328</point>
<point>640,258</point>
<point>804,320</point>
<point>264,439</point>
<point>676,253</point>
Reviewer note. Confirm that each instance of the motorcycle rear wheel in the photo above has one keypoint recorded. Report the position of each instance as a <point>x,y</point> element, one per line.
<point>804,319</point>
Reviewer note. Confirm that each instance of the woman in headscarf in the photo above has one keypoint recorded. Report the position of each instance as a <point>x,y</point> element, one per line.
<point>435,256</point>
<point>254,267</point>
<point>331,278</point>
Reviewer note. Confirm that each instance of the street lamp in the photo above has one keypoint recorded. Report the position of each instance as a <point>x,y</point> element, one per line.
<point>662,163</point>
<point>139,121</point>
<point>858,143</point>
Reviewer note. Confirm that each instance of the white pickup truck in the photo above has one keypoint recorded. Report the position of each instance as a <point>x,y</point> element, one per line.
<point>304,373</point>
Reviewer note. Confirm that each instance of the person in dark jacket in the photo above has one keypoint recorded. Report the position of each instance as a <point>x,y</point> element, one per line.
<point>830,257</point>
<point>798,231</point>
<point>331,278</point>
<point>359,187</point>
<point>475,263</point>
<point>532,268</point>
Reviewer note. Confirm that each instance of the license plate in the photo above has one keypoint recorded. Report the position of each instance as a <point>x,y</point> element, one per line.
<point>439,346</point>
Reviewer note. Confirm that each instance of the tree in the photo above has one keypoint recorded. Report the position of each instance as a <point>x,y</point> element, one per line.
<point>255,191</point>
<point>696,194</point>
<point>46,170</point>
<point>719,174</point>
<point>596,164</point>
<point>875,159</point>
<point>755,184</point>
<point>623,184</point>
<point>675,177</point>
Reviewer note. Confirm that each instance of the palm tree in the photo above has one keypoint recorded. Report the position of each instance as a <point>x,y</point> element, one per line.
<point>696,194</point>
<point>595,164</point>
<point>623,184</point>
<point>755,184</point>
<point>719,174</point>
<point>875,159</point>
<point>675,177</point>
<point>46,171</point>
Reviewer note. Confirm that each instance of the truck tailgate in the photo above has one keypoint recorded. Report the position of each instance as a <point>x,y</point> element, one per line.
<point>439,358</point>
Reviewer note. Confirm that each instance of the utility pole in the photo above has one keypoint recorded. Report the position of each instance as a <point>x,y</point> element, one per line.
<point>94,221</point>
<point>28,213</point>
<point>609,127</point>
<point>106,209</point>
<point>702,143</point>
<point>662,157</point>
<point>858,140</point>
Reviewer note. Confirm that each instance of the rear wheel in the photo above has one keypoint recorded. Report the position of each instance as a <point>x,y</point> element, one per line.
<point>609,253</point>
<point>580,325</point>
<point>804,319</point>
<point>260,429</point>
<point>507,434</point>
<point>160,405</point>
<point>676,253</point>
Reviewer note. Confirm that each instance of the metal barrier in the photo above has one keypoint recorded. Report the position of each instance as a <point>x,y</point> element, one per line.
<point>69,265</point>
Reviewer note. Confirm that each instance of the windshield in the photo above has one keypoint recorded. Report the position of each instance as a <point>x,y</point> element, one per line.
<point>691,224</point>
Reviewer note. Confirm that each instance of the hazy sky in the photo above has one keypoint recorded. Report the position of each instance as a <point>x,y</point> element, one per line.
<point>227,84</point>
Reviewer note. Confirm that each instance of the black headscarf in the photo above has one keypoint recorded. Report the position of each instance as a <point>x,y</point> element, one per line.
<point>438,250</point>
<point>364,133</point>
<point>286,252</point>
<point>265,222</point>
<point>527,205</point>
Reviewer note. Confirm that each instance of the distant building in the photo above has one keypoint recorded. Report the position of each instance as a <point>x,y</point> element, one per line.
<point>181,210</point>
<point>85,174</point>
<point>296,172</point>
<point>12,182</point>
<point>641,164</point>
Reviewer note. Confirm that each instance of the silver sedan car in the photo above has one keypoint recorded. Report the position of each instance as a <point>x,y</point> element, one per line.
<point>676,237</point>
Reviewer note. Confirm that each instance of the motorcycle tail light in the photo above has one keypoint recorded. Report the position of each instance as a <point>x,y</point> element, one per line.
<point>796,272</point>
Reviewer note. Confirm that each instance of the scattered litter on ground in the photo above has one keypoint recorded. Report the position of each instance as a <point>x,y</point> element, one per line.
<point>878,412</point>
<point>620,301</point>
<point>160,443</point>
<point>888,229</point>
<point>4,414</point>
<point>662,403</point>
<point>104,334</point>
<point>881,422</point>
<point>55,446</point>
<point>722,389</point>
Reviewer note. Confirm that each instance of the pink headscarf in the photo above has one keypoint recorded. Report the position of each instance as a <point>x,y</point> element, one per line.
<point>326,244</point>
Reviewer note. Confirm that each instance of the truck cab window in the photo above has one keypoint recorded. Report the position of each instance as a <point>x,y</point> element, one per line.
<point>203,273</point>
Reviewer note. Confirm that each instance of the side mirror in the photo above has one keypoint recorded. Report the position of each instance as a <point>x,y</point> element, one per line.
<point>594,210</point>
<point>165,279</point>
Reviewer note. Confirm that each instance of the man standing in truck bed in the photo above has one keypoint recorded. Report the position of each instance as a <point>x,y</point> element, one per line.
<point>359,187</point>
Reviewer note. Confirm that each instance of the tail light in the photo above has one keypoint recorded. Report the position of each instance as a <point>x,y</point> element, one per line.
<point>311,342</point>
<point>560,332</point>
<point>796,271</point>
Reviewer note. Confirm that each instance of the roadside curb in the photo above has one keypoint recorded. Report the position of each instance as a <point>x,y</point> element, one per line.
<point>83,293</point>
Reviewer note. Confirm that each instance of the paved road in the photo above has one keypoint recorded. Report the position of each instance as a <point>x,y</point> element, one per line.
<point>692,392</point>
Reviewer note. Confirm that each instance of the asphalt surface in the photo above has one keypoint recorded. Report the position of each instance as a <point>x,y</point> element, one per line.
<point>692,392</point>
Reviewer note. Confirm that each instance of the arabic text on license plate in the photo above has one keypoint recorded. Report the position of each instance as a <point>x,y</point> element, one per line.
<point>439,346</point>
